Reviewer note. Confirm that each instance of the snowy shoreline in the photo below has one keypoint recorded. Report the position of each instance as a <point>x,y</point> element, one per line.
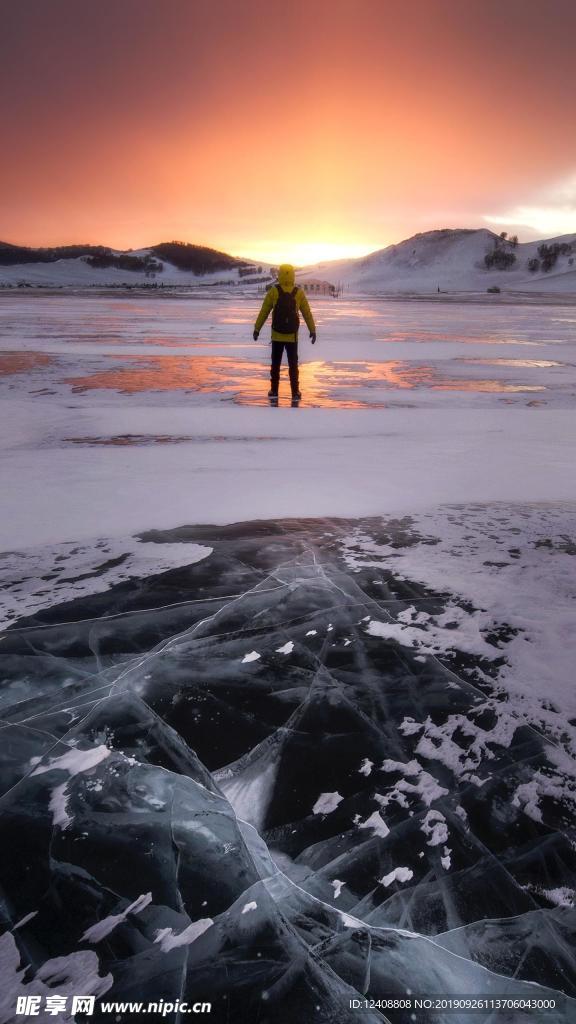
<point>202,293</point>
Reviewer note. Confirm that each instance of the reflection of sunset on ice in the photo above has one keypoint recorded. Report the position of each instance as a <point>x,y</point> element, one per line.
<point>176,386</point>
<point>200,350</point>
<point>323,384</point>
<point>22,362</point>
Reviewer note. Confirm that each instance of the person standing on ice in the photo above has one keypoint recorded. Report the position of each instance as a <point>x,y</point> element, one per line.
<point>285,300</point>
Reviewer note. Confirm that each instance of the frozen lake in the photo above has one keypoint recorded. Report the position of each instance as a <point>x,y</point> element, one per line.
<point>371,353</point>
<point>287,694</point>
<point>123,414</point>
<point>161,405</point>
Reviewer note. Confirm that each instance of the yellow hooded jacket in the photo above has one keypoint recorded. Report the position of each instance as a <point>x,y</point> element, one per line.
<point>286,281</point>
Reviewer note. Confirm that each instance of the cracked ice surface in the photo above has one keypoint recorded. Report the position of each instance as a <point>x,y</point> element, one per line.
<point>362,809</point>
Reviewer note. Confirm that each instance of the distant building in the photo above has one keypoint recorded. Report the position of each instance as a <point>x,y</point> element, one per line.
<point>315,286</point>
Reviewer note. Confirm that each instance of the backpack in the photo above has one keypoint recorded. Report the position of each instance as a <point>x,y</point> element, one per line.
<point>285,317</point>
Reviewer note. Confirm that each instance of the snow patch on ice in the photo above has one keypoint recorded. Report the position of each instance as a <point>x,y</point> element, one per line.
<point>514,563</point>
<point>350,922</point>
<point>252,656</point>
<point>453,630</point>
<point>562,897</point>
<point>82,568</point>
<point>377,824</point>
<point>102,928</point>
<point>168,939</point>
<point>287,648</point>
<point>435,827</point>
<point>74,762</point>
<point>397,875</point>
<point>440,742</point>
<point>326,803</point>
<point>529,794</point>
<point>424,787</point>
<point>69,975</point>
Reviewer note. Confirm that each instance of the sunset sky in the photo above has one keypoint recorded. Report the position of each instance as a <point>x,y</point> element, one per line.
<point>298,131</point>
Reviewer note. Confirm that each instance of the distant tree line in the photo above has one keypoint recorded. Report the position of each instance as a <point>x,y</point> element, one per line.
<point>139,264</point>
<point>248,271</point>
<point>499,259</point>
<point>548,256</point>
<point>501,256</point>
<point>197,258</point>
<point>13,254</point>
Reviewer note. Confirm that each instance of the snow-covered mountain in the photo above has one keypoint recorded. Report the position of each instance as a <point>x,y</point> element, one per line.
<point>169,263</point>
<point>454,260</point>
<point>449,260</point>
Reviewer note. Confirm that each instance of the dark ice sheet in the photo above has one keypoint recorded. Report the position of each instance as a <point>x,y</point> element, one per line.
<point>206,784</point>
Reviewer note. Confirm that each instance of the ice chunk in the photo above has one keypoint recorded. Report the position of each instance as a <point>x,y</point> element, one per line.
<point>377,824</point>
<point>397,875</point>
<point>167,939</point>
<point>326,803</point>
<point>435,827</point>
<point>287,648</point>
<point>252,656</point>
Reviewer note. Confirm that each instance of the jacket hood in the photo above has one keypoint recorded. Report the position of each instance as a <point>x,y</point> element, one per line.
<point>286,276</point>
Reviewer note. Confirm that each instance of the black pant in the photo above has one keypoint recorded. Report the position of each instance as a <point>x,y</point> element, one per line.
<point>292,357</point>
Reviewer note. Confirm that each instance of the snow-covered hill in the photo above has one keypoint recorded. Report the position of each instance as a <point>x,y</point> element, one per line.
<point>168,263</point>
<point>451,260</point>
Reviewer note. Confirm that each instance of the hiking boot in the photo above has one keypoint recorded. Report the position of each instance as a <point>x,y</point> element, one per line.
<point>272,394</point>
<point>296,396</point>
